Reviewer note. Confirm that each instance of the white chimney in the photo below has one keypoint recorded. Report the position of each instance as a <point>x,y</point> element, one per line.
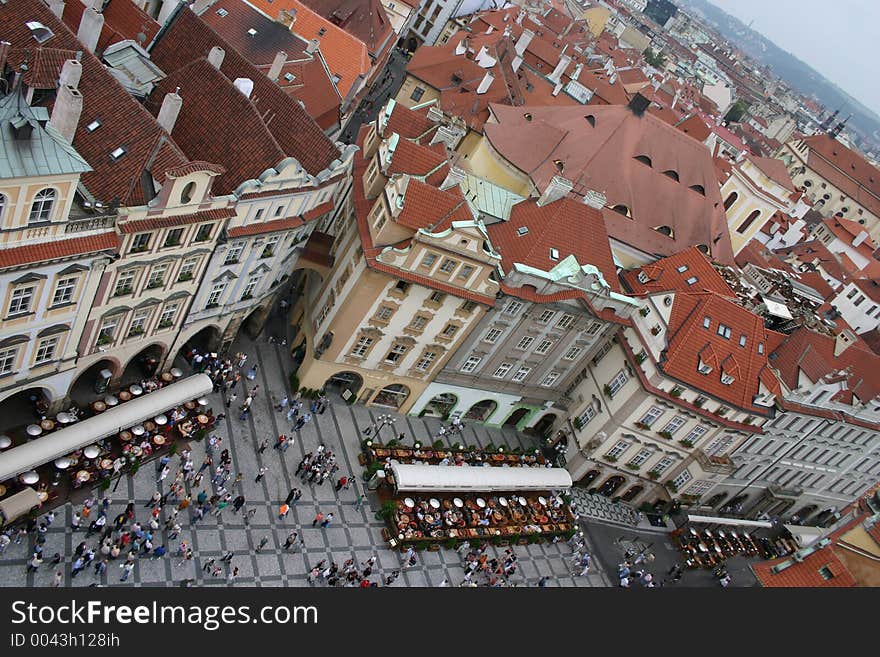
<point>287,17</point>
<point>71,73</point>
<point>171,105</point>
<point>168,7</point>
<point>485,83</point>
<point>66,112</point>
<point>277,64</point>
<point>515,63</point>
<point>523,42</point>
<point>90,27</point>
<point>199,7</point>
<point>594,199</point>
<point>455,177</point>
<point>57,7</point>
<point>462,47</point>
<point>556,76</point>
<point>861,237</point>
<point>312,46</point>
<point>245,86</point>
<point>558,188</point>
<point>215,56</point>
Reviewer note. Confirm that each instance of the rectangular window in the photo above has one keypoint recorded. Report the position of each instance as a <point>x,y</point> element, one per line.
<point>107,331</point>
<point>397,352</point>
<point>402,286</point>
<point>662,464</point>
<point>124,284</point>
<point>858,302</point>
<point>492,335</point>
<point>216,292</point>
<point>448,266</point>
<point>21,300</point>
<point>471,364</point>
<point>651,416</point>
<point>141,242</point>
<point>7,359</point>
<point>361,346</point>
<point>593,329</point>
<point>502,370</point>
<point>204,232</point>
<point>521,374</point>
<point>384,313</point>
<point>437,297</point>
<point>588,414</point>
<point>465,272</point>
<point>417,94</point>
<point>512,307</point>
<point>683,477</point>
<point>600,354</point>
<point>706,322</point>
<point>419,322</point>
<point>544,347</point>
<point>617,382</point>
<point>449,330</point>
<point>64,291</point>
<point>618,449</point>
<point>46,350</point>
<point>251,286</point>
<point>187,269</point>
<point>166,319</point>
<point>675,424</point>
<point>173,237</point>
<point>233,254</point>
<point>468,306</point>
<point>157,276</point>
<point>699,488</point>
<point>573,353</point>
<point>720,445</point>
<point>424,363</point>
<point>853,292</point>
<point>695,434</point>
<point>270,246</point>
<point>525,343</point>
<point>565,321</point>
<point>139,322</point>
<point>641,456</point>
<point>550,379</point>
<point>547,316</point>
<point>429,260</point>
<point>724,331</point>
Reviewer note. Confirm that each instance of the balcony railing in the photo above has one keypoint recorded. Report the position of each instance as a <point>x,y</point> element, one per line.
<point>716,464</point>
<point>89,223</point>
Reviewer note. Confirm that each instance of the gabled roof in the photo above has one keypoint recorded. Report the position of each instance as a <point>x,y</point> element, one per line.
<point>427,207</point>
<point>847,230</point>
<point>408,123</point>
<point>364,19</point>
<point>816,253</point>
<point>43,65</point>
<point>596,148</point>
<point>846,169</point>
<point>123,19</point>
<point>688,338</point>
<point>695,127</point>
<point>542,236</point>
<point>774,169</point>
<point>187,38</point>
<point>417,160</point>
<point>677,273</point>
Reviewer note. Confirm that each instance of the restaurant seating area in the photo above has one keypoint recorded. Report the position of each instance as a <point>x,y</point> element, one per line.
<point>708,548</point>
<point>375,452</point>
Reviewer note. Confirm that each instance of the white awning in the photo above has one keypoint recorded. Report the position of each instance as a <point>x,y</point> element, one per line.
<point>17,505</point>
<point>465,478</point>
<point>804,535</point>
<point>78,435</point>
<point>734,522</point>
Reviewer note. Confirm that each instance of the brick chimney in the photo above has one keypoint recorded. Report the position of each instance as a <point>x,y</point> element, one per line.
<point>594,199</point>
<point>215,56</point>
<point>287,17</point>
<point>171,105</point>
<point>523,42</point>
<point>485,83</point>
<point>90,27</point>
<point>556,76</point>
<point>312,46</point>
<point>71,73</point>
<point>66,112</point>
<point>56,6</point>
<point>277,64</point>
<point>558,188</point>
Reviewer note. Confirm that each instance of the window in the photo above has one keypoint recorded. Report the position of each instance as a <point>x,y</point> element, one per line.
<point>187,194</point>
<point>269,248</point>
<point>21,300</point>
<point>826,573</point>
<point>645,311</point>
<point>361,347</point>
<point>547,316</point>
<point>521,374</point>
<point>449,330</point>
<point>651,416</point>
<point>424,363</point>
<point>41,208</point>
<point>468,306</point>
<point>588,414</point>
<point>141,242</point>
<point>691,280</point>
<point>429,260</point>
<point>593,329</point>
<point>565,322</point>
<point>742,340</point>
<point>492,335</point>
<point>617,382</point>
<point>512,307</point>
<point>471,364</point>
<point>618,449</point>
<point>525,343</point>
<point>695,434</point>
<point>7,359</point>
<point>706,322</point>
<point>419,322</point>
<point>573,353</point>
<point>215,294</point>
<point>641,456</point>
<point>681,269</point>
<point>233,254</point>
<point>675,424</point>
<point>252,284</point>
<point>401,286</point>
<point>166,319</point>
<point>139,322</point>
<point>544,347</point>
<point>465,272</point>
<point>683,477</point>
<point>502,370</point>
<point>720,445</point>
<point>204,232</point>
<point>187,269</point>
<point>384,313</point>
<point>64,291</point>
<point>157,276</point>
<point>724,331</point>
<point>550,379</point>
<point>46,350</point>
<point>853,292</point>
<point>700,488</point>
<point>554,254</point>
<point>600,354</point>
<point>107,331</point>
<point>417,94</point>
<point>437,297</point>
<point>173,237</point>
<point>858,302</point>
<point>662,465</point>
<point>397,352</point>
<point>448,266</point>
<point>259,215</point>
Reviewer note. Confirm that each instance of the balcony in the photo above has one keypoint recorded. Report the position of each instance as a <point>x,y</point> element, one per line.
<point>89,223</point>
<point>716,464</point>
<point>786,493</point>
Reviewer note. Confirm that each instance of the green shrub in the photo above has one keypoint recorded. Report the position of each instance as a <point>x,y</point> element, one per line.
<point>294,382</point>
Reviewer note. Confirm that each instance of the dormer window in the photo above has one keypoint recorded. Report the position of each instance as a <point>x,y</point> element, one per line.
<point>94,125</point>
<point>706,322</point>
<point>39,31</point>
<point>703,367</point>
<point>554,254</point>
<point>727,379</point>
<point>643,277</point>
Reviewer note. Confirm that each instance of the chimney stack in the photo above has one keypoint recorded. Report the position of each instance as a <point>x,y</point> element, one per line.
<point>558,188</point>
<point>485,83</point>
<point>90,27</point>
<point>639,104</point>
<point>312,46</point>
<point>287,17</point>
<point>198,7</point>
<point>523,42</point>
<point>66,112</point>
<point>455,177</point>
<point>56,6</point>
<point>244,85</point>
<point>277,64</point>
<point>594,199</point>
<point>169,111</point>
<point>858,239</point>
<point>215,56</point>
<point>71,73</point>
<point>556,76</point>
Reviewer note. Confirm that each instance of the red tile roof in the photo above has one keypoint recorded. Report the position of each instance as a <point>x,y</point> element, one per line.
<point>417,160</point>
<point>56,249</point>
<point>806,573</point>
<point>427,207</point>
<point>409,124</point>
<point>122,20</point>
<point>566,226</point>
<point>846,169</point>
<point>846,231</point>
<point>814,252</point>
<point>286,127</point>
<point>774,169</point>
<point>689,341</point>
<point>366,20</point>
<point>695,127</point>
<point>155,223</point>
<point>550,141</point>
<point>674,272</point>
<point>43,65</point>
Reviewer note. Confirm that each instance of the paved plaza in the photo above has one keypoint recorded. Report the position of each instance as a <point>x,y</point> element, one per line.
<point>354,533</point>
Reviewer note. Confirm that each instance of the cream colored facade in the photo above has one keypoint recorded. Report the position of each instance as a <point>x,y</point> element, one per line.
<point>415,92</point>
<point>400,14</point>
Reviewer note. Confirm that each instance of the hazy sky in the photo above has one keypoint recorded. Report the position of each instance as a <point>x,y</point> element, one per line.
<point>839,39</point>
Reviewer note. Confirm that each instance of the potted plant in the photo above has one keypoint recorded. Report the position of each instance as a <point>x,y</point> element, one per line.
<point>653,475</point>
<point>642,425</point>
<point>200,434</point>
<point>164,324</point>
<point>607,390</point>
<point>294,381</point>
<point>105,483</point>
<point>665,434</point>
<point>105,339</point>
<point>184,276</point>
<point>610,459</point>
<point>644,312</point>
<point>640,357</point>
<point>438,444</point>
<point>135,466</point>
<point>685,443</point>
<point>450,543</point>
<point>632,466</point>
<point>394,442</point>
<point>671,486</point>
<point>676,392</point>
<point>386,512</point>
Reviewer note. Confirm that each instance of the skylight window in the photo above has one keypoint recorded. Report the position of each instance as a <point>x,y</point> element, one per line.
<point>724,331</point>
<point>682,269</point>
<point>222,12</point>
<point>742,341</point>
<point>706,322</point>
<point>252,32</point>
<point>522,230</point>
<point>94,125</point>
<point>554,254</point>
<point>39,31</point>
<point>117,153</point>
<point>290,77</point>
<point>691,280</point>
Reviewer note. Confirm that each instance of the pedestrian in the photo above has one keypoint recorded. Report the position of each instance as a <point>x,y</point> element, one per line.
<point>343,481</point>
<point>290,496</point>
<point>163,473</point>
<point>262,473</point>
<point>154,500</point>
<point>289,540</point>
<point>127,567</point>
<point>231,398</point>
<point>393,576</point>
<point>263,542</point>
<point>264,445</point>
<point>101,567</point>
<point>159,551</point>
<point>318,518</point>
<point>34,564</point>
<point>283,511</point>
<point>75,522</point>
<point>327,520</point>
<point>360,501</point>
<point>252,373</point>
<point>58,579</point>
<point>227,556</point>
<point>238,503</point>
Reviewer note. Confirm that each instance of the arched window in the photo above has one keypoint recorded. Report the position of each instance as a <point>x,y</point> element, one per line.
<point>671,174</point>
<point>622,209</point>
<point>187,193</point>
<point>744,226</point>
<point>41,209</point>
<point>699,189</point>
<point>730,200</point>
<point>644,159</point>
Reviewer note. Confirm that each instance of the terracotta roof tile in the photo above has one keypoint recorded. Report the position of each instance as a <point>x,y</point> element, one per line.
<point>409,124</point>
<point>676,272</point>
<point>774,169</point>
<point>427,207</point>
<point>155,223</point>
<point>43,65</point>
<point>417,160</point>
<point>845,169</point>
<point>55,249</point>
<point>123,19</point>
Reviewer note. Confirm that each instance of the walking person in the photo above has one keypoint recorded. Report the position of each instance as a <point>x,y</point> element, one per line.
<point>327,520</point>
<point>290,540</point>
<point>318,518</point>
<point>127,567</point>
<point>263,542</point>
<point>262,473</point>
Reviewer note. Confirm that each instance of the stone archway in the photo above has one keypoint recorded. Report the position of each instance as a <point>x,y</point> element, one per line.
<point>203,341</point>
<point>85,387</point>
<point>482,410</point>
<point>542,427</point>
<point>441,405</point>
<point>391,396</point>
<point>23,408</point>
<point>344,381</point>
<point>632,493</point>
<point>588,478</point>
<point>143,365</point>
<point>516,417</point>
<point>610,485</point>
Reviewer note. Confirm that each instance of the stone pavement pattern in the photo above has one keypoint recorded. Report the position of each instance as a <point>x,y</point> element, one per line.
<point>354,532</point>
